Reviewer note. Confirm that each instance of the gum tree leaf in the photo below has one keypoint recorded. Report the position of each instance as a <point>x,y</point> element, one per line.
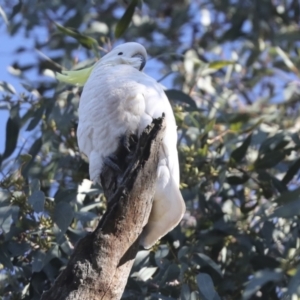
<point>239,153</point>
<point>259,279</point>
<point>86,41</point>
<point>12,133</point>
<point>185,292</point>
<point>141,259</point>
<point>236,180</point>
<point>17,249</point>
<point>205,286</point>
<point>34,150</point>
<point>219,64</point>
<point>180,96</point>
<point>204,260</point>
<point>8,214</point>
<point>146,273</point>
<point>161,252</point>
<point>63,215</point>
<point>294,287</point>
<point>288,210</point>
<point>36,119</point>
<point>16,9</point>
<point>7,87</point>
<point>288,197</point>
<point>292,171</point>
<point>37,201</point>
<point>5,259</point>
<point>38,261</point>
<point>126,19</point>
<point>269,160</point>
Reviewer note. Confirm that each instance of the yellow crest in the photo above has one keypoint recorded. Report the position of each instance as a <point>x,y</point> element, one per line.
<point>78,77</point>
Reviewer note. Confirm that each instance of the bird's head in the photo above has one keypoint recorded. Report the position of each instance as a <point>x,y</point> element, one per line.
<point>133,54</point>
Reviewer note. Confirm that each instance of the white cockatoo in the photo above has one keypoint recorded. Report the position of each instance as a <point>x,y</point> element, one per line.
<point>118,98</point>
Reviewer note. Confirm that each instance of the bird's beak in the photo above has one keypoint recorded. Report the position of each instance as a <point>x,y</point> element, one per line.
<point>143,60</point>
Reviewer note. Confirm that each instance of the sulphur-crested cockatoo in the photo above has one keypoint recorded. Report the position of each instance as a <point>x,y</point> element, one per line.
<point>118,99</point>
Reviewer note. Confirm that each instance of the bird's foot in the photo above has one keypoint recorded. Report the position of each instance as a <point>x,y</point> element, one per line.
<point>128,141</point>
<point>112,162</point>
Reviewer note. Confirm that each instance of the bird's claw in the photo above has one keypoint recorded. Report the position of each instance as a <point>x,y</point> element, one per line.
<point>128,141</point>
<point>111,161</point>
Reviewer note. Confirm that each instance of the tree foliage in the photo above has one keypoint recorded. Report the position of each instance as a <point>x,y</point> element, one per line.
<point>232,71</point>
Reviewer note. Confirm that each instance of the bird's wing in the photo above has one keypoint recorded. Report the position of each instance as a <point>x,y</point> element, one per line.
<point>168,205</point>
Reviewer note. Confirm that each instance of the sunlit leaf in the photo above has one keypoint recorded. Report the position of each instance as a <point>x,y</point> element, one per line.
<point>3,15</point>
<point>219,64</point>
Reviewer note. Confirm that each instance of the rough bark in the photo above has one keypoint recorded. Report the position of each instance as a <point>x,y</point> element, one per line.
<point>101,262</point>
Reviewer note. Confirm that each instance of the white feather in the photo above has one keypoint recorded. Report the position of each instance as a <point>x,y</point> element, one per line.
<point>116,99</point>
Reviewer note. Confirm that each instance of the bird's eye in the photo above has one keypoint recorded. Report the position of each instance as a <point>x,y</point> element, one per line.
<point>120,53</point>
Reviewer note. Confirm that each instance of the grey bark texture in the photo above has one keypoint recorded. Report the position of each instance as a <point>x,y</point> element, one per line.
<point>102,260</point>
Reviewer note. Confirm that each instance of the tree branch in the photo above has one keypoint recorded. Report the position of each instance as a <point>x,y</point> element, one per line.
<point>101,262</point>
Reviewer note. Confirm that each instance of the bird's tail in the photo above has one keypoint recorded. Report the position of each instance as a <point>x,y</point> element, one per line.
<point>167,211</point>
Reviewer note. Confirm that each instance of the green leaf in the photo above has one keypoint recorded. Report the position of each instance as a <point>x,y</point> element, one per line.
<point>35,185</point>
<point>236,180</point>
<point>16,9</point>
<point>5,258</point>
<point>287,211</point>
<point>180,96</point>
<point>8,214</point>
<point>12,133</point>
<point>161,252</point>
<point>239,153</point>
<point>292,171</point>
<point>261,261</point>
<point>86,41</point>
<point>34,150</point>
<point>185,292</point>
<point>7,87</point>
<point>17,249</point>
<point>204,260</point>
<point>63,215</point>
<point>259,279</point>
<point>219,64</point>
<point>205,286</point>
<point>85,216</point>
<point>126,19</point>
<point>37,201</point>
<point>294,287</point>
<point>38,261</point>
<point>288,197</point>
<point>36,119</point>
<point>269,160</point>
<point>276,142</point>
<point>210,125</point>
